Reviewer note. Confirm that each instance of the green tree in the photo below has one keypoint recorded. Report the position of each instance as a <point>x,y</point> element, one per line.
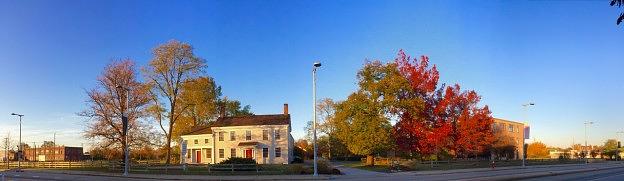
<point>609,148</point>
<point>363,120</point>
<point>235,108</point>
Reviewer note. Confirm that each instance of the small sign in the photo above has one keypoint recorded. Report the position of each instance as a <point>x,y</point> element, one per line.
<point>527,131</point>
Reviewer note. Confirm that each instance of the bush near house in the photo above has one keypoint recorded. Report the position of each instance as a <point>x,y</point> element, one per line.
<point>238,160</point>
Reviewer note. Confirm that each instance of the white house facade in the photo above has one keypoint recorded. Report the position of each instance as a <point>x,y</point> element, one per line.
<point>264,138</point>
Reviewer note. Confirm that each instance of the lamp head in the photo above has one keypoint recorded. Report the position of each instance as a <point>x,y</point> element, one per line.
<point>317,64</point>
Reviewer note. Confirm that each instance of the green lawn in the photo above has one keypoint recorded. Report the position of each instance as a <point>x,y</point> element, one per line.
<point>459,165</point>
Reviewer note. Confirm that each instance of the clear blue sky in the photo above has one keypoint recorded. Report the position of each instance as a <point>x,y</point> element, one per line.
<point>566,56</point>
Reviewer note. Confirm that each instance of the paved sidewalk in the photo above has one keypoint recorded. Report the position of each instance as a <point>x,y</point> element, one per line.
<point>354,171</point>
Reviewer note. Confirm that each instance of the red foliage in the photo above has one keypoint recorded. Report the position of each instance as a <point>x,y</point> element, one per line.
<point>448,120</point>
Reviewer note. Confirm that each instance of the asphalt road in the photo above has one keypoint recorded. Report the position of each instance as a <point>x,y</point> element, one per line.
<point>497,174</point>
<point>30,175</point>
<point>600,175</point>
<point>602,172</point>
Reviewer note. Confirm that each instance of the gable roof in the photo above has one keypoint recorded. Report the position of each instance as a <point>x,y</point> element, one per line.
<point>272,119</point>
<point>254,120</point>
<point>199,130</point>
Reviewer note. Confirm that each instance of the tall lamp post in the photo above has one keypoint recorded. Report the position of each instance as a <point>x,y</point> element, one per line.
<point>19,146</point>
<point>316,66</point>
<point>586,152</point>
<point>526,107</point>
<point>124,120</point>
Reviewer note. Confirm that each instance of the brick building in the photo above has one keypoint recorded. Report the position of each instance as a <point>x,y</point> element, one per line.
<point>12,155</point>
<point>53,153</point>
<point>513,129</point>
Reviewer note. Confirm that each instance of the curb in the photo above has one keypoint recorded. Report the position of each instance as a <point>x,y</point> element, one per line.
<point>540,174</point>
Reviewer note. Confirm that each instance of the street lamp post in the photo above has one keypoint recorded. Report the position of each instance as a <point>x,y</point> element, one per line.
<point>124,120</point>
<point>316,66</point>
<point>525,106</point>
<point>19,146</point>
<point>586,152</point>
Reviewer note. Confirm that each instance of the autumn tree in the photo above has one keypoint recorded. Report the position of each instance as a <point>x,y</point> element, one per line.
<point>472,125</point>
<point>537,150</point>
<point>204,101</point>
<point>439,119</point>
<point>173,64</point>
<point>117,91</point>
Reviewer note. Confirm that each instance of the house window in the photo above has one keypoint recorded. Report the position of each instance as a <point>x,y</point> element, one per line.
<point>221,153</point>
<point>205,140</point>
<point>233,152</point>
<point>277,135</point>
<point>511,128</point>
<point>209,153</point>
<point>278,152</point>
<point>265,134</point>
<point>248,135</point>
<point>265,152</point>
<point>232,135</point>
<point>220,136</point>
<point>195,141</point>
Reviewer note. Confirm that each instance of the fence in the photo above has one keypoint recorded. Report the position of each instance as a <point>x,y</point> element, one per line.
<point>153,167</point>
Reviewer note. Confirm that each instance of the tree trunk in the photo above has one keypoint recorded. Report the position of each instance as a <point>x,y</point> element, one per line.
<point>370,160</point>
<point>169,147</point>
<point>329,156</point>
<point>171,121</point>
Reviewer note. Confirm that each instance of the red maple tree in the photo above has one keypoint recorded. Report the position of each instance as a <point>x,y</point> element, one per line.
<point>444,118</point>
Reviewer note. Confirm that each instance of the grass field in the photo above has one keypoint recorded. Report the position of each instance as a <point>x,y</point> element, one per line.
<point>463,164</point>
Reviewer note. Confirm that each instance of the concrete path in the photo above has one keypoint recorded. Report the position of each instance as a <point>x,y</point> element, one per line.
<point>354,171</point>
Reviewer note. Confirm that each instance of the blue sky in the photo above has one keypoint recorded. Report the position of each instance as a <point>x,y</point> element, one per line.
<point>562,55</point>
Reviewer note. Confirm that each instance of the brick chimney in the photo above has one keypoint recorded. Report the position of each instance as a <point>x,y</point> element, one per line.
<point>285,109</point>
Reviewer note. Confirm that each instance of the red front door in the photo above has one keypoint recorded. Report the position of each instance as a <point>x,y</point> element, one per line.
<point>198,156</point>
<point>248,153</point>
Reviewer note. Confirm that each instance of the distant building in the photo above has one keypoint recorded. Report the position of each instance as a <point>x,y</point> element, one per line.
<point>10,156</point>
<point>513,129</point>
<point>53,153</point>
<point>264,138</point>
